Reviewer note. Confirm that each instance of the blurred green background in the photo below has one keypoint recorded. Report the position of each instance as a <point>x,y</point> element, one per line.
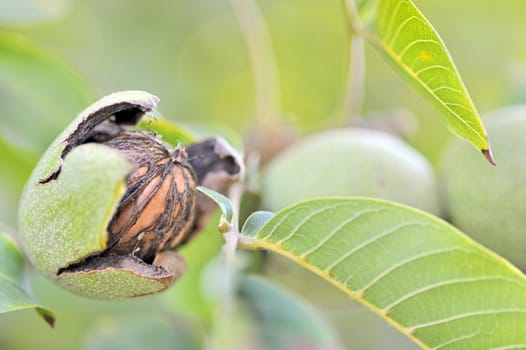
<point>58,56</point>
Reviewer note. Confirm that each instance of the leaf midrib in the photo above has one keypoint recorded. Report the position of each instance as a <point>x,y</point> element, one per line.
<point>358,296</point>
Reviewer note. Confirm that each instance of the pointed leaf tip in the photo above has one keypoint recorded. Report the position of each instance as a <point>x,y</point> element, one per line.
<point>47,316</point>
<point>223,202</point>
<point>489,156</point>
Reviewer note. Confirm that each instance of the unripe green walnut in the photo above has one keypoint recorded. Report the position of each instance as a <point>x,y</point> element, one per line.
<point>350,162</point>
<point>104,207</point>
<point>486,202</point>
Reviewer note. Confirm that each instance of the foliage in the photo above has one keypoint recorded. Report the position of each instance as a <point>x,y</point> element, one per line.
<point>13,296</point>
<point>271,71</point>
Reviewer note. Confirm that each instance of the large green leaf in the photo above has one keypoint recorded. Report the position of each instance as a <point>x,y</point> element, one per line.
<point>137,333</point>
<point>12,294</point>
<point>412,45</point>
<point>39,93</point>
<point>420,274</point>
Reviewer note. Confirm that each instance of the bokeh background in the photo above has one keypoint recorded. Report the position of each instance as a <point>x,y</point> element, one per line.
<point>57,56</point>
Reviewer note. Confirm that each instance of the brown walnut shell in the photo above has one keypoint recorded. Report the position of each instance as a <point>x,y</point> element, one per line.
<point>157,211</point>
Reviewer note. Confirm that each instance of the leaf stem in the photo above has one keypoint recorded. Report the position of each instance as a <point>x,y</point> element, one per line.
<point>232,235</point>
<point>353,100</point>
<point>262,59</point>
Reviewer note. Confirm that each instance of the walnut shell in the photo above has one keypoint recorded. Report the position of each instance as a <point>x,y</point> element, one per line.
<point>157,212</point>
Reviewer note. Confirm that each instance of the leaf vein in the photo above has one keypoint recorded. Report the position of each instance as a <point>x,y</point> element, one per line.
<point>447,88</point>
<point>389,29</point>
<point>335,231</point>
<point>402,52</point>
<point>306,220</point>
<point>511,346</point>
<point>449,283</point>
<point>466,315</point>
<point>381,235</point>
<point>458,105</point>
<point>400,27</point>
<point>277,225</point>
<point>434,66</point>
<point>405,262</point>
<point>457,339</point>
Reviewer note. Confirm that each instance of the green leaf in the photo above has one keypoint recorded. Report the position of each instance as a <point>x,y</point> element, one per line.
<point>412,45</point>
<point>39,93</point>
<point>137,333</point>
<point>12,294</point>
<point>222,201</point>
<point>420,274</point>
<point>284,321</point>
<point>232,327</point>
<point>170,132</point>
<point>254,222</point>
